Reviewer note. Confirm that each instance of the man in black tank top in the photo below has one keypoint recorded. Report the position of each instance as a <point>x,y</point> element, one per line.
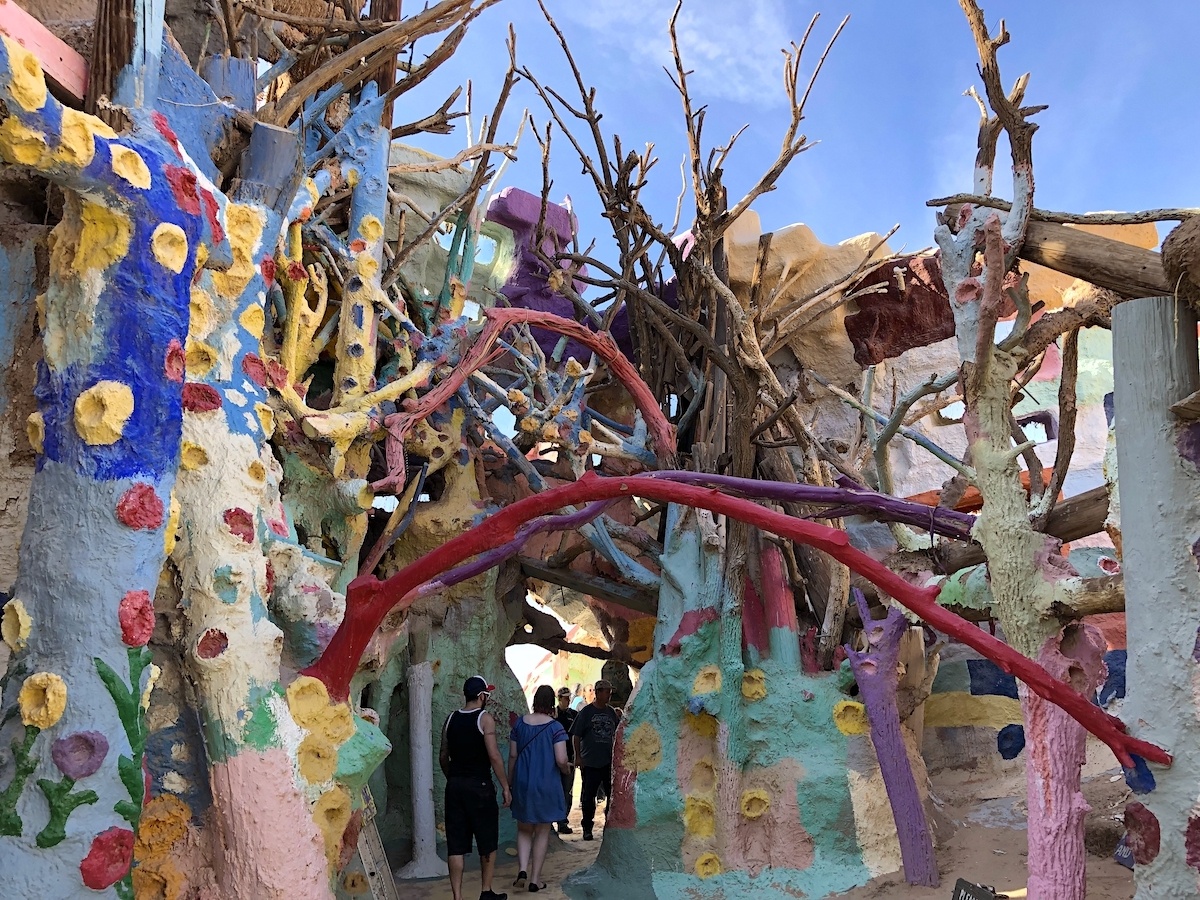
<point>468,758</point>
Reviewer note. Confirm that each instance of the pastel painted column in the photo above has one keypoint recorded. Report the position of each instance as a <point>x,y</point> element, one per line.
<point>107,434</point>
<point>425,862</point>
<point>1155,365</point>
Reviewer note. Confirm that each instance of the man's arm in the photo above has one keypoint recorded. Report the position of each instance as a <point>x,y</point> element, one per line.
<point>444,752</point>
<point>488,724</point>
<point>577,729</point>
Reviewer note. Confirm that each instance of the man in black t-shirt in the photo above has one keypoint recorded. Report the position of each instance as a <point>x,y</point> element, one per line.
<point>566,718</point>
<point>592,735</point>
<point>468,758</point>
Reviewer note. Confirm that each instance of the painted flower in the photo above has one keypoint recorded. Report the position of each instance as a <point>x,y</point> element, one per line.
<point>108,860</point>
<point>15,625</point>
<point>136,614</point>
<point>80,754</point>
<point>42,699</point>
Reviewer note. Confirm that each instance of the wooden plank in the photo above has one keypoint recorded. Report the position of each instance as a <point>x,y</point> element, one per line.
<point>1188,408</point>
<point>600,588</point>
<point>1079,517</point>
<point>1128,270</point>
<point>66,71</point>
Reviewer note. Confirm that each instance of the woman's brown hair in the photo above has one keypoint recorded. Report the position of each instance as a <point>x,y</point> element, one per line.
<point>543,700</point>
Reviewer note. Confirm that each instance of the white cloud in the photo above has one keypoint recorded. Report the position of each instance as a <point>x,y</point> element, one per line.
<point>732,48</point>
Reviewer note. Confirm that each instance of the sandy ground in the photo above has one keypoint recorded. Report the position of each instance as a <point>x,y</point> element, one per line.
<point>987,846</point>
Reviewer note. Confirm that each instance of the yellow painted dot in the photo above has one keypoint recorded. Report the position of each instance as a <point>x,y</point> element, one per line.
<point>754,684</point>
<point>15,625</point>
<point>266,418</point>
<point>201,255</point>
<point>366,265</point>
<point>643,749</point>
<point>170,246</point>
<point>128,163</point>
<point>332,814</point>
<point>253,320</point>
<point>708,865</point>
<point>699,816</point>
<point>702,723</point>
<point>77,144</point>
<point>104,239</point>
<point>352,177</point>
<point>708,681</point>
<point>850,717</point>
<point>317,759</point>
<point>370,229</point>
<point>27,83</point>
<point>336,722</point>
<point>307,697</point>
<point>755,802</point>
<point>704,774</point>
<point>35,430</point>
<point>199,358</point>
<point>257,471</point>
<point>201,310</point>
<point>171,535</point>
<point>43,699</point>
<point>102,411</point>
<point>192,456</point>
<point>20,145</point>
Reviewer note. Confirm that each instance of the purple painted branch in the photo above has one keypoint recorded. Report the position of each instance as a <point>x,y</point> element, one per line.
<point>492,558</point>
<point>876,672</point>
<point>856,499</point>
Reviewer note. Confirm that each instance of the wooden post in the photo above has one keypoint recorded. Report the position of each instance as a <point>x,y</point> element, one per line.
<point>1155,362</point>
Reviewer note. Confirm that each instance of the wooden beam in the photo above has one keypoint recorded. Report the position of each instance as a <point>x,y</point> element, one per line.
<point>1079,517</point>
<point>66,71</point>
<point>600,588</point>
<point>1123,268</point>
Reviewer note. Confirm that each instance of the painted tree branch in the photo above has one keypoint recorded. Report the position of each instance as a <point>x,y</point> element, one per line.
<point>369,600</point>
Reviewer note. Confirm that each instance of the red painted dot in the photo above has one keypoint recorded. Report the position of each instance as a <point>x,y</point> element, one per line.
<point>164,128</point>
<point>212,211</point>
<point>175,363</point>
<point>279,527</point>
<point>1191,841</point>
<point>277,373</point>
<point>108,860</point>
<point>200,398</point>
<point>212,644</point>
<point>183,187</point>
<point>140,507</point>
<point>358,245</point>
<point>295,271</point>
<point>267,267</point>
<point>253,366</point>
<point>1144,833</point>
<point>241,523</point>
<point>136,614</point>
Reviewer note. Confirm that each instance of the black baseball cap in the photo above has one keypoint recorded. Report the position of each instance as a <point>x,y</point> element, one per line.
<point>476,685</point>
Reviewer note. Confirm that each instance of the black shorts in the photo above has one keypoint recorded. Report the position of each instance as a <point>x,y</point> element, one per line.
<point>471,811</point>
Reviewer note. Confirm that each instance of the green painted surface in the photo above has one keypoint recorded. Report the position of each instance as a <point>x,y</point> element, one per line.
<point>361,755</point>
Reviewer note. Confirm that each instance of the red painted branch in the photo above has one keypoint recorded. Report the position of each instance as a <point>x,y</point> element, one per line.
<point>369,600</point>
<point>600,342</point>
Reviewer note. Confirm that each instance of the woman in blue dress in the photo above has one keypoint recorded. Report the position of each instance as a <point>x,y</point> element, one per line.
<point>537,754</point>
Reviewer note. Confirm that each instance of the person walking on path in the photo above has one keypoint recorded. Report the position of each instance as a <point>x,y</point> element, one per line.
<point>468,758</point>
<point>593,734</point>
<point>566,718</point>
<point>537,758</point>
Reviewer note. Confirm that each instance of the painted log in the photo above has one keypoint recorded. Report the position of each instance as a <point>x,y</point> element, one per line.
<point>876,670</point>
<point>107,434</point>
<point>1155,360</point>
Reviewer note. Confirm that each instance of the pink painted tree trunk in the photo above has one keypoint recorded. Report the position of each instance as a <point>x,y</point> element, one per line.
<point>1057,859</point>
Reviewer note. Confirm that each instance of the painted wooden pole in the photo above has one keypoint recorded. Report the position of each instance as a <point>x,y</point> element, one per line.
<point>876,670</point>
<point>107,432</point>
<point>425,862</point>
<point>1155,365</point>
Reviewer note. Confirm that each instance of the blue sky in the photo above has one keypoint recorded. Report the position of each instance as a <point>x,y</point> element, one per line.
<point>888,110</point>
